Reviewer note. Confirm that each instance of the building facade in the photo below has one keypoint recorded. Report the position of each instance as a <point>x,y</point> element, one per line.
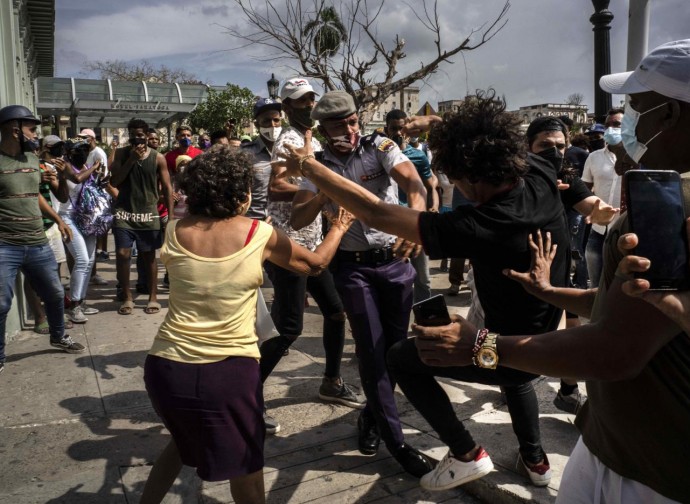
<point>578,113</point>
<point>406,100</point>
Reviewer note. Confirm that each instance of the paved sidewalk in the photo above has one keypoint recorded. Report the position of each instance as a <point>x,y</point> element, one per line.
<point>79,428</point>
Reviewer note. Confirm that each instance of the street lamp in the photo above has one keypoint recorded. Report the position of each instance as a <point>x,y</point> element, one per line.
<point>601,19</point>
<point>272,85</point>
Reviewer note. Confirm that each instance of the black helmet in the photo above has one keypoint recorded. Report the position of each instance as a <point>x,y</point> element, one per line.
<point>17,113</point>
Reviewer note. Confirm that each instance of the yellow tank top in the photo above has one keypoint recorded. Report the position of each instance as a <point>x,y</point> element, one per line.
<point>212,307</point>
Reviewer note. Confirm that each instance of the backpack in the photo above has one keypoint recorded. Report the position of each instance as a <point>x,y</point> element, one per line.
<point>92,212</point>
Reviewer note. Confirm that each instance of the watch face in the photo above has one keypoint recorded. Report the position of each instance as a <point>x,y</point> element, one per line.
<point>487,357</point>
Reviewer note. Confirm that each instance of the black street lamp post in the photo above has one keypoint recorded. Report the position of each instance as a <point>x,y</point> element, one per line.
<point>272,85</point>
<point>601,19</point>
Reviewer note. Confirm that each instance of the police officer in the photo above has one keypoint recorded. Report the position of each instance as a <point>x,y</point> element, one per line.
<point>375,286</point>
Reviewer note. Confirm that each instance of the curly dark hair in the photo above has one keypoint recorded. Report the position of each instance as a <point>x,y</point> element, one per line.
<point>217,182</point>
<point>135,123</point>
<point>480,141</point>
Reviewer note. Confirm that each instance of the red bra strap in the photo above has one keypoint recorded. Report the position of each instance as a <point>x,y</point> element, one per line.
<point>252,229</point>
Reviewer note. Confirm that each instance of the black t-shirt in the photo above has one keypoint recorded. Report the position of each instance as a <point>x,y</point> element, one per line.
<point>575,193</point>
<point>494,237</point>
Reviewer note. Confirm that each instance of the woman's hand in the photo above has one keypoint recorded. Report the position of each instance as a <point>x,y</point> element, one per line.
<point>538,278</point>
<point>674,304</point>
<point>449,345</point>
<point>292,157</point>
<point>342,220</point>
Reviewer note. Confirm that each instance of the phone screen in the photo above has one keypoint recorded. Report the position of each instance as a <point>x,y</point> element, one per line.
<point>655,205</point>
<point>116,138</point>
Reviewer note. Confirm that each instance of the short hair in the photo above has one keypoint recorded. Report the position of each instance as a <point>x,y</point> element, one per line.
<point>234,139</point>
<point>545,123</point>
<point>135,124</point>
<point>480,141</point>
<point>183,128</point>
<point>580,140</point>
<point>218,182</point>
<point>614,111</point>
<point>152,130</point>
<point>217,135</point>
<point>566,120</point>
<point>395,115</point>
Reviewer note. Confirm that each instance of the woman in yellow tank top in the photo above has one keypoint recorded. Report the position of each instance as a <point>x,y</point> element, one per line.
<point>202,373</point>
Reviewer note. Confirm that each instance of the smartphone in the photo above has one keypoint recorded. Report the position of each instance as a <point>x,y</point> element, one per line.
<point>431,312</point>
<point>116,138</point>
<point>657,217</point>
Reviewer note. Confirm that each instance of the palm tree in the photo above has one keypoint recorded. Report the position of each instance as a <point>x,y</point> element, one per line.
<point>327,32</point>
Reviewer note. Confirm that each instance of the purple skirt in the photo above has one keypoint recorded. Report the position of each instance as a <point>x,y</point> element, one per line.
<point>214,412</point>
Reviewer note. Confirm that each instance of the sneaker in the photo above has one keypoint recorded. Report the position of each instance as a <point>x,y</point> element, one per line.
<point>454,289</point>
<point>272,425</point>
<point>102,256</point>
<point>336,390</point>
<point>2,367</point>
<point>540,474</point>
<point>451,472</point>
<point>570,403</point>
<point>89,310</point>
<point>98,280</point>
<point>68,345</point>
<point>76,315</point>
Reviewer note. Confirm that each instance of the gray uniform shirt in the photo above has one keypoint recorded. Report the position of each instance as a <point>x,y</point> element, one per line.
<point>261,174</point>
<point>368,166</point>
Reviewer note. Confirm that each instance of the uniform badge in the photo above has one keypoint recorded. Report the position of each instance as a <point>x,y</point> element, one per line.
<point>386,145</point>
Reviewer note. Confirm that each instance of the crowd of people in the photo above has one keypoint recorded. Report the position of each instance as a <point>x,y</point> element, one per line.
<point>353,220</point>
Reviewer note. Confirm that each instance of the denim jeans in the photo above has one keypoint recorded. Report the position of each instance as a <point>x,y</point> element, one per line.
<point>422,282</point>
<point>38,263</point>
<point>83,250</point>
<point>287,312</point>
<point>418,382</point>
<point>595,261</point>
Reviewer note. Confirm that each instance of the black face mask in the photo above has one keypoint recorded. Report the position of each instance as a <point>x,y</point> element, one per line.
<point>302,117</point>
<point>553,156</point>
<point>596,144</point>
<point>398,139</point>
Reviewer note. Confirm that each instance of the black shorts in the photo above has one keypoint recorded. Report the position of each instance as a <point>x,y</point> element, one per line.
<point>147,240</point>
<point>214,412</point>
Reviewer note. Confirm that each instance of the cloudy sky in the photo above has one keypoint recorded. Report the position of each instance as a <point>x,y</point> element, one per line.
<point>544,53</point>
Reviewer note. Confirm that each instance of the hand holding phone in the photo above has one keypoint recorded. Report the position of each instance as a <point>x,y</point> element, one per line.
<point>431,312</point>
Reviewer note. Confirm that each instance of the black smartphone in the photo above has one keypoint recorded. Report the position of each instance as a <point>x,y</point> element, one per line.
<point>116,138</point>
<point>431,312</point>
<point>657,217</point>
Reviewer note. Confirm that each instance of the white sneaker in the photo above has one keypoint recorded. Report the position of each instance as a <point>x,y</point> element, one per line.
<point>451,472</point>
<point>539,475</point>
<point>98,280</point>
<point>89,310</point>
<point>76,315</point>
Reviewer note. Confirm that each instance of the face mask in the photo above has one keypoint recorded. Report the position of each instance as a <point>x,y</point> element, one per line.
<point>553,156</point>
<point>597,144</point>
<point>302,117</point>
<point>30,145</point>
<point>633,147</point>
<point>398,139</point>
<point>205,144</point>
<point>185,142</point>
<point>78,158</point>
<point>612,136</point>
<point>271,134</point>
<point>345,143</point>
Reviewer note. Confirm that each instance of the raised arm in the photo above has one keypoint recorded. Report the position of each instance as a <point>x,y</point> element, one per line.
<point>306,206</point>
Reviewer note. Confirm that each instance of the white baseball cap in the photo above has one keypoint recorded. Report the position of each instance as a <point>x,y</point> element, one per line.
<point>296,88</point>
<point>665,70</point>
<point>86,132</point>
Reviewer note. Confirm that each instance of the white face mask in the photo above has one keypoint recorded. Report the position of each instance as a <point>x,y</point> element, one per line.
<point>271,134</point>
<point>633,147</point>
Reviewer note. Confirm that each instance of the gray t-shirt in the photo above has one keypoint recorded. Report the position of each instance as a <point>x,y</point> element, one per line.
<point>261,174</point>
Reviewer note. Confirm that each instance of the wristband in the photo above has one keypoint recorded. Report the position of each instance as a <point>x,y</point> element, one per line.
<point>479,340</point>
<point>302,160</point>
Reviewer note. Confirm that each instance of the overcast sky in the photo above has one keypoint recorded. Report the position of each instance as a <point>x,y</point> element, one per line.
<point>544,53</point>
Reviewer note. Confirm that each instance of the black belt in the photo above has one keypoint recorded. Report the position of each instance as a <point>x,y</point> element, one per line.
<point>372,256</point>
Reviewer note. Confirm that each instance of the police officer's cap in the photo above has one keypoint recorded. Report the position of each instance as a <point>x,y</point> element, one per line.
<point>17,113</point>
<point>334,105</point>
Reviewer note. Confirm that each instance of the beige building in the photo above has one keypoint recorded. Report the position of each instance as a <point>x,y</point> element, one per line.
<point>448,106</point>
<point>578,113</point>
<point>406,100</point>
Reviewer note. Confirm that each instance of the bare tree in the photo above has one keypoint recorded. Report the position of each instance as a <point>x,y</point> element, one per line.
<point>141,71</point>
<point>575,99</point>
<point>358,62</point>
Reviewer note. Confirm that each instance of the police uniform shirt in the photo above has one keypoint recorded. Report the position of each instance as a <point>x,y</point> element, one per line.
<point>368,166</point>
<point>261,174</point>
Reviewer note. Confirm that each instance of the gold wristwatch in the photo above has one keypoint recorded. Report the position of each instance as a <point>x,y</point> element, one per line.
<point>486,356</point>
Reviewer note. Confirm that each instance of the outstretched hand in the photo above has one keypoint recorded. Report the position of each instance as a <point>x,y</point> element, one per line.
<point>415,126</point>
<point>291,156</point>
<point>674,304</point>
<point>601,214</point>
<point>538,278</point>
<point>449,345</point>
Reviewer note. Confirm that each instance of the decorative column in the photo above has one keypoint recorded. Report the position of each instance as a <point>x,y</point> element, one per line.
<point>601,19</point>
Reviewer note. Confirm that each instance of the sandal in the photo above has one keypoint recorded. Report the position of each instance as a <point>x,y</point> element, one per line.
<point>126,308</point>
<point>152,307</point>
<point>42,328</point>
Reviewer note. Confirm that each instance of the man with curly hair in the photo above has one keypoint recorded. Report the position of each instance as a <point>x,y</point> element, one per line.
<point>482,150</point>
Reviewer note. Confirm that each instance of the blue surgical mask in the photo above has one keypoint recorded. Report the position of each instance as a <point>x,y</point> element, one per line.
<point>612,136</point>
<point>185,142</point>
<point>633,147</point>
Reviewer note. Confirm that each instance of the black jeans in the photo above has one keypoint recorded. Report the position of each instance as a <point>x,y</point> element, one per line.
<point>418,383</point>
<point>287,312</point>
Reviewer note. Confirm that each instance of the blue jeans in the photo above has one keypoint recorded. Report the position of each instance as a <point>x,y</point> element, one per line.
<point>38,263</point>
<point>83,249</point>
<point>595,247</point>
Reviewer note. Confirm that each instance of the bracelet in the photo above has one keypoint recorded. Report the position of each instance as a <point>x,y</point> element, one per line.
<point>302,160</point>
<point>479,340</point>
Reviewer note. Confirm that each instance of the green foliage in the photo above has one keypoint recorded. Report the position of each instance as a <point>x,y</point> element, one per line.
<point>327,32</point>
<point>233,102</point>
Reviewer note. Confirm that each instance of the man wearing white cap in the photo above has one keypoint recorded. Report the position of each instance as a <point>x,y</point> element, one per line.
<point>95,152</point>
